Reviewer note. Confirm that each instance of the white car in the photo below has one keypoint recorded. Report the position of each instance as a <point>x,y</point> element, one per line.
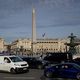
<point>13,64</point>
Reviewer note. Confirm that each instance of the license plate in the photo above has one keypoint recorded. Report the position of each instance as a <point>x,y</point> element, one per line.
<point>24,68</point>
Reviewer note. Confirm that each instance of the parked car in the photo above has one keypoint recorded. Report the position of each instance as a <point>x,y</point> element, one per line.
<point>13,64</point>
<point>35,63</point>
<point>64,70</point>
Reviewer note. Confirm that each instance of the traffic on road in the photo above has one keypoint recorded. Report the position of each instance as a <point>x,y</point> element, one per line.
<point>31,68</point>
<point>33,74</point>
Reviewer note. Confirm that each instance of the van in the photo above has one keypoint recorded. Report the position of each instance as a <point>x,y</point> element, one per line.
<point>13,64</point>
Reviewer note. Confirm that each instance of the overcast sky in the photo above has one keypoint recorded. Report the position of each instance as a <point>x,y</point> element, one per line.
<point>55,18</point>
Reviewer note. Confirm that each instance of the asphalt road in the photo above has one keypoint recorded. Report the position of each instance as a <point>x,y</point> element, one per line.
<point>33,74</point>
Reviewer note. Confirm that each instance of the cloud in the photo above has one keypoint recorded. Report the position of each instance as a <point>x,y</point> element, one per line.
<point>60,25</point>
<point>9,7</point>
<point>16,15</point>
<point>61,3</point>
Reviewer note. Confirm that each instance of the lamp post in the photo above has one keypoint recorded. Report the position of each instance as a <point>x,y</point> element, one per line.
<point>22,50</point>
<point>43,35</point>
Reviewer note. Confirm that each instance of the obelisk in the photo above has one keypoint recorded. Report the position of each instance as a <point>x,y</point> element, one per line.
<point>33,31</point>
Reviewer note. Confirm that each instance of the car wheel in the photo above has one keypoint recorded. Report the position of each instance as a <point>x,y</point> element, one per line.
<point>12,70</point>
<point>49,74</point>
<point>78,76</point>
<point>39,66</point>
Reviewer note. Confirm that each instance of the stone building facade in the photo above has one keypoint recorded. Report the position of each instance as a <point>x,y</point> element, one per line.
<point>42,45</point>
<point>51,45</point>
<point>21,45</point>
<point>2,47</point>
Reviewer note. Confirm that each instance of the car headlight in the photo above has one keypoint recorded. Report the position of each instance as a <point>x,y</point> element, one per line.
<point>17,64</point>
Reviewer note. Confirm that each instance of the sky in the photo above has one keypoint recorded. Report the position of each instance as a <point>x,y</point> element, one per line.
<point>55,18</point>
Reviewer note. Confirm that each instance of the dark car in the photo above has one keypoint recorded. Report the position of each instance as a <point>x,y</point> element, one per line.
<point>59,57</point>
<point>65,70</point>
<point>35,63</point>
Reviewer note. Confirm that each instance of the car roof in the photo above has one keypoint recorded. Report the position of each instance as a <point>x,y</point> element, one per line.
<point>9,56</point>
<point>66,64</point>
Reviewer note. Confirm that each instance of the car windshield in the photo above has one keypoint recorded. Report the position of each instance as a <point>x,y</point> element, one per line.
<point>16,59</point>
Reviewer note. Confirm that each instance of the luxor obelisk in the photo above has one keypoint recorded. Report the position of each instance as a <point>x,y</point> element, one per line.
<point>33,31</point>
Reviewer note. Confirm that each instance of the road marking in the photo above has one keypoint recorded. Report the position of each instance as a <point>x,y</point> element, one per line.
<point>29,78</point>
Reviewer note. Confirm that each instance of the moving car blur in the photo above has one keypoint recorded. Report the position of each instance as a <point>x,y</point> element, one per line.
<point>64,70</point>
<point>35,63</point>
